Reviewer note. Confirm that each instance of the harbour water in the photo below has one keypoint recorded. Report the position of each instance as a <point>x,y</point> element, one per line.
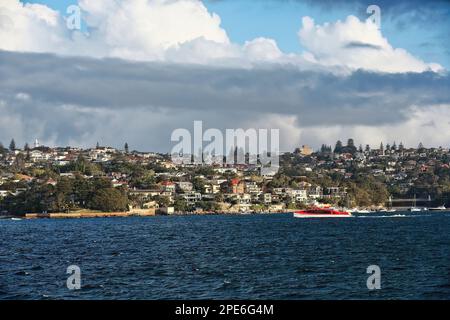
<point>227,257</point>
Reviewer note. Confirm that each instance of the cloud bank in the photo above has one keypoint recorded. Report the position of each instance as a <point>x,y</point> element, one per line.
<point>184,31</point>
<point>143,68</point>
<point>76,100</point>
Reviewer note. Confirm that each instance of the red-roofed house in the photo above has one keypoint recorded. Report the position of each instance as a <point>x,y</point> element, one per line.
<point>168,186</point>
<point>234,186</point>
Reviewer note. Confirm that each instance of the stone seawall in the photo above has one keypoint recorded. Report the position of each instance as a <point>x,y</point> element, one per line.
<point>62,215</point>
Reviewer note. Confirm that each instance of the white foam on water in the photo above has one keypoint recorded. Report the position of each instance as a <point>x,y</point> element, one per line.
<point>394,216</point>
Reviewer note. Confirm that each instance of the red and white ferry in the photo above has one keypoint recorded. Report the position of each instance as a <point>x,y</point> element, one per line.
<point>321,213</point>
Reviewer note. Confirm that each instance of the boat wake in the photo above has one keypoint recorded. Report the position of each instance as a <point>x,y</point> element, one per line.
<point>392,216</point>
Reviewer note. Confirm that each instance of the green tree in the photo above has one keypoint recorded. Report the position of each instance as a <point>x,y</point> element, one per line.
<point>181,205</point>
<point>12,145</point>
<point>101,183</point>
<point>420,147</point>
<point>109,199</point>
<point>27,149</point>
<point>163,201</point>
<point>338,147</point>
<point>80,164</point>
<point>82,190</point>
<point>219,197</point>
<point>198,184</point>
<point>350,143</point>
<point>3,150</point>
<point>378,193</point>
<point>19,162</point>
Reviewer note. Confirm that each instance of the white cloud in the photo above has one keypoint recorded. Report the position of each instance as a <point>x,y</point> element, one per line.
<point>23,96</point>
<point>142,29</point>
<point>262,49</point>
<point>356,44</point>
<point>202,51</point>
<point>290,132</point>
<point>427,124</point>
<point>29,27</point>
<point>132,29</point>
<point>183,31</point>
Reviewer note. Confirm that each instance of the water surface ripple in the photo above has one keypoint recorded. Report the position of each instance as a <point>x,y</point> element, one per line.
<point>227,257</point>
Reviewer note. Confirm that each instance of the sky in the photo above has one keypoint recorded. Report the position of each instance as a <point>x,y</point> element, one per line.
<point>136,70</point>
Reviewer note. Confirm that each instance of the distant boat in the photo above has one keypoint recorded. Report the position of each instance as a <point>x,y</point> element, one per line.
<point>391,210</point>
<point>440,208</point>
<point>414,208</point>
<point>16,219</point>
<point>362,211</point>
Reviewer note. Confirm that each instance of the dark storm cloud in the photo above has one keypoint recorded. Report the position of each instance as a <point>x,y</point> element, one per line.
<point>361,45</point>
<point>116,84</point>
<point>70,97</point>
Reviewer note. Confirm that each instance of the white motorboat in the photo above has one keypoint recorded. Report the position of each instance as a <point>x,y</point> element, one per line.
<point>440,208</point>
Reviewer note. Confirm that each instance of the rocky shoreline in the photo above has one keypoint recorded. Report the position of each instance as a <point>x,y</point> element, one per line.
<point>73,215</point>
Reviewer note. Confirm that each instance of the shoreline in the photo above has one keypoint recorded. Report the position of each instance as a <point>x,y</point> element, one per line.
<point>140,213</point>
<point>79,215</point>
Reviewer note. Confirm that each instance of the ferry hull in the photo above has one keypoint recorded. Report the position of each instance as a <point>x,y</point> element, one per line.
<point>309,215</point>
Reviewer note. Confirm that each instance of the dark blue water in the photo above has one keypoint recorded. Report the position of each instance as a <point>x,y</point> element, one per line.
<point>227,257</point>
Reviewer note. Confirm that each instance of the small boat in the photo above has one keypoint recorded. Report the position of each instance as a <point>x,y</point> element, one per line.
<point>16,219</point>
<point>414,208</point>
<point>321,213</point>
<point>391,210</point>
<point>440,208</point>
<point>362,211</point>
